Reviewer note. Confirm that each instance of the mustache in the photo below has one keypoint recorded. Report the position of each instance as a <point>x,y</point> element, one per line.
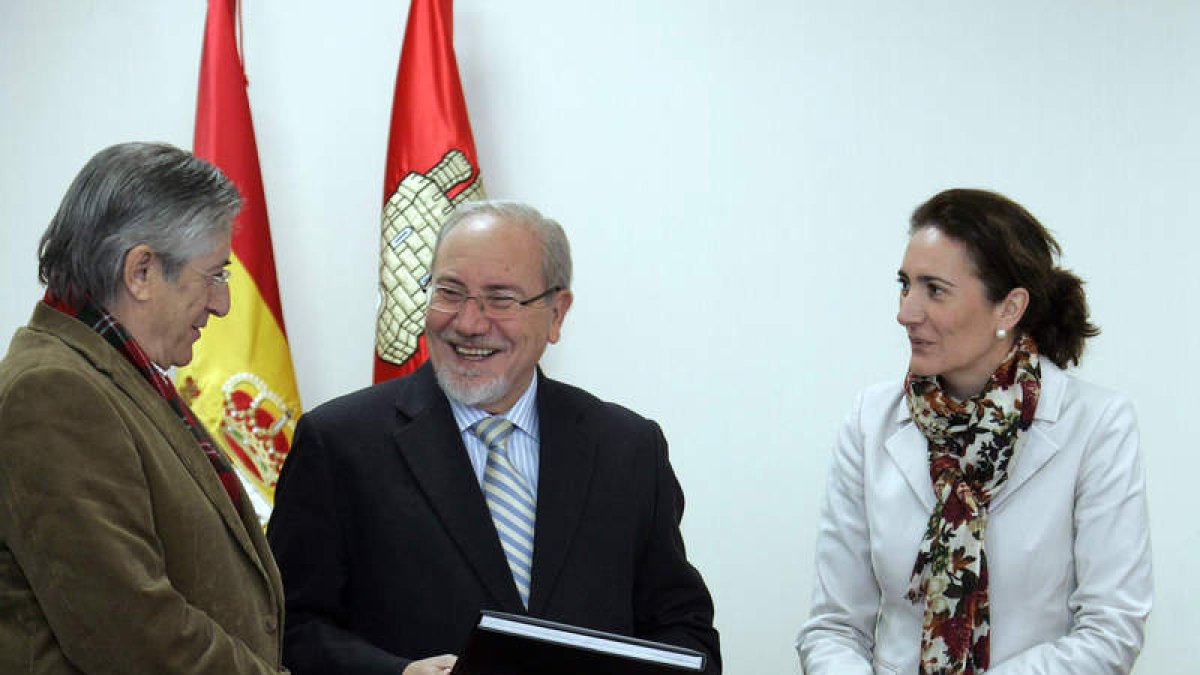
<point>454,337</point>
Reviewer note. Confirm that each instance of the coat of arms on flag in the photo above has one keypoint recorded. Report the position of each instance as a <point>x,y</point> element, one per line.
<point>411,219</point>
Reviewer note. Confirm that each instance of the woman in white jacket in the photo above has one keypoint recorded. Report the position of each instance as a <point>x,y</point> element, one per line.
<point>988,513</point>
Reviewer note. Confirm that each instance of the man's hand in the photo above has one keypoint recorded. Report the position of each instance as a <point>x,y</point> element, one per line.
<point>434,665</point>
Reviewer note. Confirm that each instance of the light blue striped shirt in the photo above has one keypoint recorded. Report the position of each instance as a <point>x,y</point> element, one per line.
<point>522,444</point>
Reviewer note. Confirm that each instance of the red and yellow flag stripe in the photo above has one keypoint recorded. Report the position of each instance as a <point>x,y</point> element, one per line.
<point>241,382</point>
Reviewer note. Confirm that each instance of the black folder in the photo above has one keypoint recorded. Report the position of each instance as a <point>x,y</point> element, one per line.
<point>510,644</point>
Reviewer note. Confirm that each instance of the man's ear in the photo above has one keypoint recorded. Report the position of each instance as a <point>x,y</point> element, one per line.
<point>139,272</point>
<point>1012,308</point>
<point>562,302</point>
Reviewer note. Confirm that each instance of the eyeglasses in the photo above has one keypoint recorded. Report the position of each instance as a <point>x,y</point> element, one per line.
<point>219,278</point>
<point>493,305</point>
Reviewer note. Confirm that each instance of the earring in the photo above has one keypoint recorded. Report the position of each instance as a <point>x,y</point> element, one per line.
<point>1001,333</point>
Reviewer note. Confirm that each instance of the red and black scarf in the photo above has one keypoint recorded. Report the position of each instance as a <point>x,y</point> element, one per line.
<point>107,326</point>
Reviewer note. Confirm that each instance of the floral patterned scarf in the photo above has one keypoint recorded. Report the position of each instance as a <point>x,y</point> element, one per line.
<point>972,444</point>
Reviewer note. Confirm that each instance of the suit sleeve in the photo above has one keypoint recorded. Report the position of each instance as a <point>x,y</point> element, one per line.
<point>307,538</point>
<point>1112,600</point>
<point>76,514</point>
<point>672,604</point>
<point>838,638</point>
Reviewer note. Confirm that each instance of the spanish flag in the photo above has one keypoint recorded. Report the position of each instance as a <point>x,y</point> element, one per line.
<point>431,167</point>
<point>240,382</point>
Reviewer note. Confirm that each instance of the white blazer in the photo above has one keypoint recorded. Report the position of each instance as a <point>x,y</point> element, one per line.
<point>1068,541</point>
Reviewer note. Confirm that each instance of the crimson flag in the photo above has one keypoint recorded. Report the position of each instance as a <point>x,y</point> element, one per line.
<point>431,167</point>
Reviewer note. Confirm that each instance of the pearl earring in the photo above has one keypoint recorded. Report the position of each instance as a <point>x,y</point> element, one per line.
<point>1001,333</point>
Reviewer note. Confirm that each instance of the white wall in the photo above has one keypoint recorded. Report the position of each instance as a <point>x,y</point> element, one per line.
<point>736,178</point>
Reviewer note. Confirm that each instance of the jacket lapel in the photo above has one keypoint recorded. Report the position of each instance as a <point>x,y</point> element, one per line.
<point>566,457</point>
<point>428,440</point>
<point>909,452</point>
<point>110,362</point>
<point>184,445</point>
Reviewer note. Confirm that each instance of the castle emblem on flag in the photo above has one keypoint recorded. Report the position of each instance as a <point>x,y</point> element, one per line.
<point>412,217</point>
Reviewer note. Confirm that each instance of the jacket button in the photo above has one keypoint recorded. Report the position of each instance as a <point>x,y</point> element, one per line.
<point>270,624</point>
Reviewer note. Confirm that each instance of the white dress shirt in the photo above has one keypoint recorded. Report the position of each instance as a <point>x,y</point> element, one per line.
<point>522,444</point>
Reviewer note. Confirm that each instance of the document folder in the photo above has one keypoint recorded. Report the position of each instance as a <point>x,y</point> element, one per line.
<point>510,644</point>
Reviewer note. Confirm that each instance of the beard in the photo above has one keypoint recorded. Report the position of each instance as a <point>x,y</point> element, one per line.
<point>465,383</point>
<point>464,386</point>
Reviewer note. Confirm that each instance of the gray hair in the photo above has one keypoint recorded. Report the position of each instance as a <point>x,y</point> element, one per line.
<point>130,194</point>
<point>556,250</point>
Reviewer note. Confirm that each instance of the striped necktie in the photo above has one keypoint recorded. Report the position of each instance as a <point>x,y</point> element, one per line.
<point>510,500</point>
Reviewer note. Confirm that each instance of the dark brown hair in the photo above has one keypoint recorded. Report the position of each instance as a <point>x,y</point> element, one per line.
<point>1011,249</point>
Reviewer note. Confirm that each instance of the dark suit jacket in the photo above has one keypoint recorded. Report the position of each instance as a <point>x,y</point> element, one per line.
<point>388,551</point>
<point>120,551</point>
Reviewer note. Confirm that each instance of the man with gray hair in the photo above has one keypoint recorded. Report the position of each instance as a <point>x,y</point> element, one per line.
<point>126,544</point>
<point>479,483</point>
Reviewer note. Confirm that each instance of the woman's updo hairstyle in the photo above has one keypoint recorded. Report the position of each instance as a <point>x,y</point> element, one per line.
<point>1011,249</point>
